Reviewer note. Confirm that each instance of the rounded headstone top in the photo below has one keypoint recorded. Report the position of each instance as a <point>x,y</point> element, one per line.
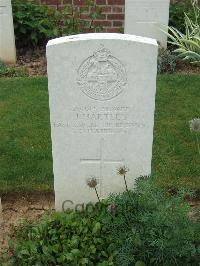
<point>102,36</point>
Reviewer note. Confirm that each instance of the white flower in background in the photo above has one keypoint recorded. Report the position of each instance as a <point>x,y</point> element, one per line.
<point>195,125</point>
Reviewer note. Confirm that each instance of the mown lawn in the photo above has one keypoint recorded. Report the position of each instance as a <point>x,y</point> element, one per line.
<point>25,144</point>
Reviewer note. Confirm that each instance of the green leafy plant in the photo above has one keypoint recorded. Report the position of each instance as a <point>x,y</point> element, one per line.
<point>70,238</point>
<point>36,24</point>
<point>152,227</point>
<point>166,62</point>
<point>33,24</point>
<point>188,43</point>
<point>176,14</point>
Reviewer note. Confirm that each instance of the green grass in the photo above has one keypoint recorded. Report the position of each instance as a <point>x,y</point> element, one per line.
<point>176,161</point>
<point>25,143</point>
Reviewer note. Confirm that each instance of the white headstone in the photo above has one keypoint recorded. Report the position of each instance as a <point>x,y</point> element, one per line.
<point>7,39</point>
<point>146,18</point>
<point>102,94</point>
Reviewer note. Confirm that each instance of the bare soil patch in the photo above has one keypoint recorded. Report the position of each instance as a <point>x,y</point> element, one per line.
<point>19,207</point>
<point>34,61</point>
<point>187,68</point>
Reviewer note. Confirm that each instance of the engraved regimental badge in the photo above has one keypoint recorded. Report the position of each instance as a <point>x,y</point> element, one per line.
<point>102,76</point>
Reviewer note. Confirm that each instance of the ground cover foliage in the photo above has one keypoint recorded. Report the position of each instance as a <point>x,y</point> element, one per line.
<point>25,143</point>
<point>152,227</point>
<point>147,226</point>
<point>11,71</point>
<point>166,62</point>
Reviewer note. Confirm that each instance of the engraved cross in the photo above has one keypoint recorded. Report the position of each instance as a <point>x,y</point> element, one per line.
<point>101,161</point>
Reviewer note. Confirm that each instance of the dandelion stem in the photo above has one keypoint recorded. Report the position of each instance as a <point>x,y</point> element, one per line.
<point>198,146</point>
<point>125,183</point>
<point>97,194</point>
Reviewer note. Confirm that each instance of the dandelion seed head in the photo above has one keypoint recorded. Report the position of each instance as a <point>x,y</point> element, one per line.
<point>122,170</point>
<point>92,182</point>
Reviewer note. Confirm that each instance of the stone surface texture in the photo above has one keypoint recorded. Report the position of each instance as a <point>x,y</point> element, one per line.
<point>102,97</point>
<point>7,39</point>
<point>146,18</point>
